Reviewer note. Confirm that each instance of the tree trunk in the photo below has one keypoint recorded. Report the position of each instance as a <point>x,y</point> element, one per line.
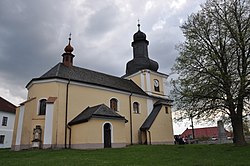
<point>237,125</point>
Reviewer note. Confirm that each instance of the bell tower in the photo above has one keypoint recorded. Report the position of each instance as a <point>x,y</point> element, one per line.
<point>140,59</point>
<point>143,70</point>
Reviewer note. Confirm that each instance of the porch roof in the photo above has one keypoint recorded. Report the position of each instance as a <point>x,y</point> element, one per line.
<point>100,111</point>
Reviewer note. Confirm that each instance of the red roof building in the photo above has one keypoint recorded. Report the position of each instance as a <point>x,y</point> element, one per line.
<point>207,132</point>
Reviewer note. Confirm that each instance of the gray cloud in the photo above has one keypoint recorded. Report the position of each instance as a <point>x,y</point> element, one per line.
<point>33,35</point>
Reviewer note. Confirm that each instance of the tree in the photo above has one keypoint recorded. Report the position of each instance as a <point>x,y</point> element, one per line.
<point>246,127</point>
<point>214,62</point>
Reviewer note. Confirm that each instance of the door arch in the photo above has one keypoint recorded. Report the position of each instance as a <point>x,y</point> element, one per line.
<point>107,135</point>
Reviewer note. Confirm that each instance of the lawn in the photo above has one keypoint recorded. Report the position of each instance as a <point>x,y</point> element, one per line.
<point>152,155</point>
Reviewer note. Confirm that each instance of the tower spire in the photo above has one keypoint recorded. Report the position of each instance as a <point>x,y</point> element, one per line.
<point>138,24</point>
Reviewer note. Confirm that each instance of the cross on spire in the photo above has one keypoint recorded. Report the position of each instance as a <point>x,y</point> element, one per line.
<point>70,37</point>
<point>138,24</point>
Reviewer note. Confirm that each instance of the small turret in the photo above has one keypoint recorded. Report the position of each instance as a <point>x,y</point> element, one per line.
<point>68,56</point>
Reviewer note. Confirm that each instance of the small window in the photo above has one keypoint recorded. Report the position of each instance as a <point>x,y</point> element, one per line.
<point>166,110</point>
<point>4,121</point>
<point>2,139</point>
<point>114,104</point>
<point>42,107</point>
<point>156,85</point>
<point>136,107</point>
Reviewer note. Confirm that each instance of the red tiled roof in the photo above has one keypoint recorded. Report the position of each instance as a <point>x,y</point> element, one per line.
<point>202,132</point>
<point>6,106</point>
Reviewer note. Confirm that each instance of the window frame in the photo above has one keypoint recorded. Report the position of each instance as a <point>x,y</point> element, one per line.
<point>113,104</point>
<point>42,112</point>
<point>2,137</point>
<point>4,121</point>
<point>157,88</point>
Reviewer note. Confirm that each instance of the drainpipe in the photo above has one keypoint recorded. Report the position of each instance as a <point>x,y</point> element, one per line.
<point>66,114</point>
<point>149,135</point>
<point>130,117</point>
<point>69,136</point>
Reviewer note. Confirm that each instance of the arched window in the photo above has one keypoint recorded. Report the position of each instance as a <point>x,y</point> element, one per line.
<point>42,107</point>
<point>114,104</point>
<point>136,107</point>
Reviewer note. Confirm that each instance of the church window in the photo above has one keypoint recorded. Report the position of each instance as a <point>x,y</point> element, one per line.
<point>42,107</point>
<point>114,104</point>
<point>136,107</point>
<point>156,85</point>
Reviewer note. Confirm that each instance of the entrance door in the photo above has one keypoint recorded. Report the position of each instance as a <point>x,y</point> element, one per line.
<point>107,136</point>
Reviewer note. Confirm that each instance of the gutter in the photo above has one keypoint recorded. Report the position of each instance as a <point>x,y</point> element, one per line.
<point>130,119</point>
<point>69,136</point>
<point>66,114</point>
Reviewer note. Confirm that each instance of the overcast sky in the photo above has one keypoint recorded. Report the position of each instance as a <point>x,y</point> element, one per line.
<point>33,34</point>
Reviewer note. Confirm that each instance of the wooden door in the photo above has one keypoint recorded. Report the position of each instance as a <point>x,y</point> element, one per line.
<point>107,135</point>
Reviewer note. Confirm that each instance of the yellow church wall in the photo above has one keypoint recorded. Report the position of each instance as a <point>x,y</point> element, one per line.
<point>79,98</point>
<point>137,79</point>
<point>91,135</point>
<point>15,128</point>
<point>138,119</point>
<point>46,90</point>
<point>161,130</point>
<point>27,129</point>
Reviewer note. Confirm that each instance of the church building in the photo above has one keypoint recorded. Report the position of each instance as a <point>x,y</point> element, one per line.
<point>73,107</point>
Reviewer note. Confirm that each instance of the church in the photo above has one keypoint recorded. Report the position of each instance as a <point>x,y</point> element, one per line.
<point>73,107</point>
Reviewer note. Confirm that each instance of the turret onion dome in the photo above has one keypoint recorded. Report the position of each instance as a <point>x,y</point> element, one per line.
<point>69,48</point>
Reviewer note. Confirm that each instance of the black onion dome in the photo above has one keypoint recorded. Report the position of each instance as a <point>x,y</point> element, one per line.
<point>140,59</point>
<point>139,36</point>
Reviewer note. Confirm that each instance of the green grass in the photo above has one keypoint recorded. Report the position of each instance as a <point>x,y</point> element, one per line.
<point>143,155</point>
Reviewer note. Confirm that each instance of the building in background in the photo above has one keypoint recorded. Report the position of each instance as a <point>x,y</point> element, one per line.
<point>206,133</point>
<point>7,119</point>
<point>73,107</point>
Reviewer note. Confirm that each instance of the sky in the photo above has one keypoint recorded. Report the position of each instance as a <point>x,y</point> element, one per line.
<point>34,33</point>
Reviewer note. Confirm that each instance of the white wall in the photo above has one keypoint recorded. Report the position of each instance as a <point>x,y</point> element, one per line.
<point>7,130</point>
